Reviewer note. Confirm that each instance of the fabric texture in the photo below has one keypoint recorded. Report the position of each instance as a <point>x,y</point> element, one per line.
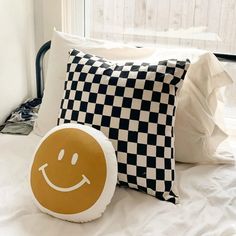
<point>22,119</point>
<point>134,105</point>
<point>207,202</point>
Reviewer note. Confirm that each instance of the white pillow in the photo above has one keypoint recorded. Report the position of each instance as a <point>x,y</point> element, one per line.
<point>199,126</point>
<point>198,99</point>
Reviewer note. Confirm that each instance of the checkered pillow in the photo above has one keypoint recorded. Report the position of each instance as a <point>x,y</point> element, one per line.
<point>134,105</point>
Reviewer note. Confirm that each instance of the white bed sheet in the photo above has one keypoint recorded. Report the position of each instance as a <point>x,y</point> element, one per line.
<point>208,202</point>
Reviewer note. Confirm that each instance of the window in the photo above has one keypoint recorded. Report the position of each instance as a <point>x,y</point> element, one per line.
<point>204,24</point>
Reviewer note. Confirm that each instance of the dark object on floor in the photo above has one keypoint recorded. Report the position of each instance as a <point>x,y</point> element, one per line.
<point>21,120</point>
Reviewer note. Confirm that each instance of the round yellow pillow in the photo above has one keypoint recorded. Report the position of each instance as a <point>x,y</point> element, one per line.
<point>74,173</point>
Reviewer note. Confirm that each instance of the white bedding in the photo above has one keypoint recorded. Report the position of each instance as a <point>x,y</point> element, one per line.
<point>207,207</point>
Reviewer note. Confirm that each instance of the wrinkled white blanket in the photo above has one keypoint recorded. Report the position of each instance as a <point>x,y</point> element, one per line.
<point>208,202</point>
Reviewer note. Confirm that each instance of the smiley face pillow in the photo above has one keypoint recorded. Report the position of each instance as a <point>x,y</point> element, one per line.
<point>74,173</point>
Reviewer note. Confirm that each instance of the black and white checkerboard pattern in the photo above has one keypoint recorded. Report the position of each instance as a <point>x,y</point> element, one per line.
<point>134,105</point>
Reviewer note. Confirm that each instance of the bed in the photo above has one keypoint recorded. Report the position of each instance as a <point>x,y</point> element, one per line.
<point>207,206</point>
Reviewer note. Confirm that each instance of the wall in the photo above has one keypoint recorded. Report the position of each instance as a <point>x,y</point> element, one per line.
<point>17,54</point>
<point>47,16</point>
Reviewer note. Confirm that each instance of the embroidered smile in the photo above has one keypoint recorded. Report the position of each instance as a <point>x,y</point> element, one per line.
<point>69,189</point>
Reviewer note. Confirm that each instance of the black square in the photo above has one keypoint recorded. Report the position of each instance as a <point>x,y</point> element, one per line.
<point>145,105</point>
<point>124,124</point>
<point>92,97</point>
<point>124,74</point>
<point>131,159</point>
<point>160,174</point>
<point>102,89</point>
<point>132,179</point>
<point>83,106</point>
<point>134,114</point>
<point>142,149</point>
<point>109,100</point>
<point>122,146</point>
<point>89,118</point>
<point>127,102</point>
<point>99,109</point>
<point>113,133</point>
<point>130,83</point>
<point>106,121</point>
<point>119,91</point>
<point>133,136</point>
<point>70,104</point>
<point>116,111</point>
<point>152,139</point>
<point>141,75</point>
<point>143,127</point>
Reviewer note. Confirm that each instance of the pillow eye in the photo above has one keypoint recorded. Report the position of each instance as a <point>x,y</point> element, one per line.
<point>74,159</point>
<point>61,154</point>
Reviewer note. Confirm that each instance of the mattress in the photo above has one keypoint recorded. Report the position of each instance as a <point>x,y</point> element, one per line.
<point>207,205</point>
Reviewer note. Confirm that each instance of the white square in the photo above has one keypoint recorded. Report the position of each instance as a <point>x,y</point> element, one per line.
<point>136,103</point>
<point>161,119</point>
<point>161,69</point>
<point>140,84</point>
<point>122,158</point>
<point>116,73</point>
<point>167,153</point>
<point>133,125</point>
<point>131,170</point>
<point>128,92</point>
<point>151,173</point>
<point>144,116</point>
<point>85,96</point>
<point>82,116</point>
<point>123,135</point>
<point>178,72</point>
<point>142,182</point>
<point>94,88</point>
<point>115,122</point>
<point>101,98</point>
<point>147,95</point>
<point>123,177</point>
<point>152,128</point>
<point>97,119</point>
<point>107,110</point>
<point>72,94</point>
<point>76,106</point>
<point>91,107</point>
<point>160,162</point>
<point>132,148</point>
<point>168,175</point>
<point>161,140</point>
<point>160,186</point>
<point>73,67</point>
<point>118,101</point>
<point>68,114</point>
<point>133,74</point>
<point>151,150</point>
<point>65,104</point>
<point>86,68</point>
<point>111,90</point>
<point>142,138</point>
<point>164,98</point>
<point>141,161</point>
<point>125,113</point>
